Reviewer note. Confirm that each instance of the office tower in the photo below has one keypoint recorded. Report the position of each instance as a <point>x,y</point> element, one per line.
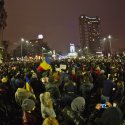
<point>90,34</point>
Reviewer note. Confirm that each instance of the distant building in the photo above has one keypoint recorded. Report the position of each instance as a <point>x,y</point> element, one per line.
<point>90,33</point>
<point>38,46</point>
<point>72,52</point>
<point>3,17</point>
<point>32,48</point>
<point>72,48</point>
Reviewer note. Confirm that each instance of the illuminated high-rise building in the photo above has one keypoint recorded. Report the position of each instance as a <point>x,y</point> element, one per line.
<point>90,33</point>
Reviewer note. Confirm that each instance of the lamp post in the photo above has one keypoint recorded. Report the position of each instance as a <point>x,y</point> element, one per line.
<point>103,44</point>
<point>86,49</point>
<point>109,38</point>
<point>42,51</point>
<point>22,40</point>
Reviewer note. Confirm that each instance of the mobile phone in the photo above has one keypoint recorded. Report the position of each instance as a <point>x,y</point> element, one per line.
<point>103,105</point>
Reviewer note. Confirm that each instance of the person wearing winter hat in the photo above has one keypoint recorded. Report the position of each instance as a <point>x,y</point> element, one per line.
<point>28,105</point>
<point>29,117</point>
<point>78,104</point>
<point>74,115</point>
<point>21,94</point>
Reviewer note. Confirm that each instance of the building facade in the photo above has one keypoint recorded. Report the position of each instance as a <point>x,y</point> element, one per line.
<point>31,48</point>
<point>90,34</point>
<point>3,17</point>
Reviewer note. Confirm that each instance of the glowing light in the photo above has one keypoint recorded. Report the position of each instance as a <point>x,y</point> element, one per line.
<point>104,39</point>
<point>109,37</point>
<point>27,41</point>
<point>22,39</point>
<point>40,36</point>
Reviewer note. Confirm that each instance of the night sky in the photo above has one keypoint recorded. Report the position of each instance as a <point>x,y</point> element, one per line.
<point>58,20</point>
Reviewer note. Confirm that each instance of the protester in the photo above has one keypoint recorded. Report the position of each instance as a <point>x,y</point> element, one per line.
<point>63,96</point>
<point>47,105</point>
<point>50,121</point>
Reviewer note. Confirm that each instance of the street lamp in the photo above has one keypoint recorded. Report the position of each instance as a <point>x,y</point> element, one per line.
<point>103,43</point>
<point>109,37</point>
<point>22,40</point>
<point>104,39</point>
<point>27,41</point>
<point>40,36</point>
<point>86,49</point>
<point>42,50</point>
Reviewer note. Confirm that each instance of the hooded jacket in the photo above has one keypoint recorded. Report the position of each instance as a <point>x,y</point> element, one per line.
<point>22,94</point>
<point>46,111</point>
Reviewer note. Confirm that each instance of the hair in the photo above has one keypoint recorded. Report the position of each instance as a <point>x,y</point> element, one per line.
<point>50,121</point>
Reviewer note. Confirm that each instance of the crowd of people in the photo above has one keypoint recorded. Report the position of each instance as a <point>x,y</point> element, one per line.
<point>88,91</point>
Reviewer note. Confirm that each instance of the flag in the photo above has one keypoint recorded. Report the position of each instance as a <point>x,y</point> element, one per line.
<point>28,87</point>
<point>45,65</point>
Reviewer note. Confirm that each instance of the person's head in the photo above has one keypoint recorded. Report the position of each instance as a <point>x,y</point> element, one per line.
<point>34,75</point>
<point>50,121</point>
<point>112,116</point>
<point>4,80</point>
<point>78,104</point>
<point>28,105</point>
<point>46,95</point>
<point>20,83</point>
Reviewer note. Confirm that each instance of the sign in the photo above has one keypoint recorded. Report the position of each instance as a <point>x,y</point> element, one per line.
<point>58,69</point>
<point>62,66</point>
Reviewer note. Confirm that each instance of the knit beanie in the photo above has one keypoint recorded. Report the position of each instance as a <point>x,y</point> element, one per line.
<point>102,71</point>
<point>78,104</point>
<point>111,116</point>
<point>4,80</point>
<point>28,105</point>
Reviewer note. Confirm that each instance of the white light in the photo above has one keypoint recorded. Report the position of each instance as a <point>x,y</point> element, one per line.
<point>43,48</point>
<point>90,17</point>
<point>27,41</point>
<point>99,52</point>
<point>86,47</point>
<point>22,39</point>
<point>81,16</point>
<point>40,36</point>
<point>72,48</point>
<point>109,37</point>
<point>104,39</point>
